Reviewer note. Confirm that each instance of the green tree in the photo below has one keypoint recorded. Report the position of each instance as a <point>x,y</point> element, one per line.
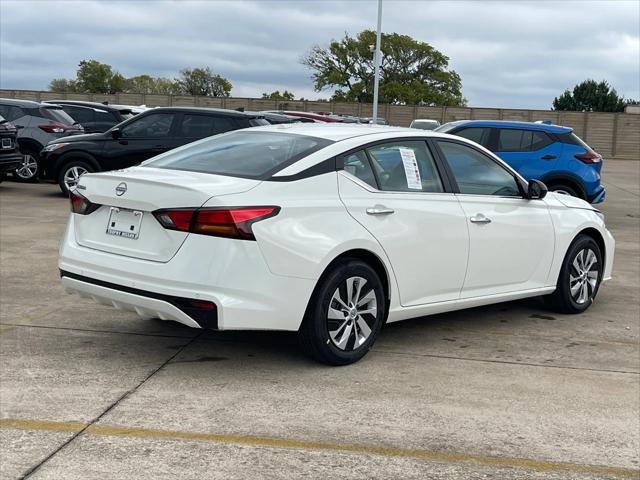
<point>411,72</point>
<point>151,85</point>
<point>202,81</point>
<point>62,85</point>
<point>286,95</point>
<point>590,96</point>
<point>96,77</point>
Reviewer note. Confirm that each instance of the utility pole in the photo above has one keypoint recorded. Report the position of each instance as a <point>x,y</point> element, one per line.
<point>377,59</point>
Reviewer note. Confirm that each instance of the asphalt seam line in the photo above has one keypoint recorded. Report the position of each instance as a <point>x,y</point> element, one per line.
<point>87,426</point>
<point>272,442</point>
<point>507,362</point>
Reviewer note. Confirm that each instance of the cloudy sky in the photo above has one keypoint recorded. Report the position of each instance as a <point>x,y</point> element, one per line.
<point>509,54</point>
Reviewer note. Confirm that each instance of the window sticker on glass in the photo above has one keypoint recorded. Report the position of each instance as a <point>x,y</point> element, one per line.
<point>411,168</point>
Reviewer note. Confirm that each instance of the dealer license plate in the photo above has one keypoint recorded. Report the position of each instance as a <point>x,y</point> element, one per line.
<point>124,223</point>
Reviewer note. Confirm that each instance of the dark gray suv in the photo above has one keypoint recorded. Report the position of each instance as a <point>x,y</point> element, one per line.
<point>37,124</point>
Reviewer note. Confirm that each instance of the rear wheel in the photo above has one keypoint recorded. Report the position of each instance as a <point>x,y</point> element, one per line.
<point>29,169</point>
<point>579,278</point>
<point>564,190</point>
<point>345,316</point>
<point>70,174</point>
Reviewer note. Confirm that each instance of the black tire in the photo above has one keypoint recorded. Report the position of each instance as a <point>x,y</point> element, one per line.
<point>29,171</point>
<point>323,344</point>
<point>566,189</point>
<point>69,166</point>
<point>563,300</point>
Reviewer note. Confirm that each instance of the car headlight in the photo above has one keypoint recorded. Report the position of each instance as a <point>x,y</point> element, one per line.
<point>54,146</point>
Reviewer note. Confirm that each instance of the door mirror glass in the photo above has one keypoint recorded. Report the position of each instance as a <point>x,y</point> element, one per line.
<point>536,190</point>
<point>115,132</point>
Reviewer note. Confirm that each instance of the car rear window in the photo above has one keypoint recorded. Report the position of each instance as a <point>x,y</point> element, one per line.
<point>572,139</point>
<point>243,154</point>
<point>56,114</point>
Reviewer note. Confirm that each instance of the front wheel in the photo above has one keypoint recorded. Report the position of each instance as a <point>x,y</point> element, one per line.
<point>70,174</point>
<point>579,278</point>
<point>345,315</point>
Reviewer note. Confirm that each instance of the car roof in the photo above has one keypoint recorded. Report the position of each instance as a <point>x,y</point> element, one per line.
<point>341,131</point>
<point>20,103</point>
<point>221,111</point>
<point>81,103</point>
<point>545,127</point>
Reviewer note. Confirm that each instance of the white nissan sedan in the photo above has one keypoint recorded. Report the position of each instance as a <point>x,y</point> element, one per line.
<point>329,230</point>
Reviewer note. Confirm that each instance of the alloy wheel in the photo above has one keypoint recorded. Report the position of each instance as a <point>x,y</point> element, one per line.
<point>28,168</point>
<point>352,314</point>
<point>72,176</point>
<point>583,277</point>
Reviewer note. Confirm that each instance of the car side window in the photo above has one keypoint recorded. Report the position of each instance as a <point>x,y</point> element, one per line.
<point>200,126</point>
<point>539,140</point>
<point>477,174</point>
<point>475,134</point>
<point>154,125</point>
<point>80,114</point>
<point>10,112</point>
<point>357,164</point>
<point>405,167</point>
<point>105,117</point>
<point>513,140</point>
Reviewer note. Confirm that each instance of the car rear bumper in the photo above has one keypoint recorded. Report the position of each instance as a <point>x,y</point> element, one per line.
<point>231,274</point>
<point>598,195</point>
<point>10,162</point>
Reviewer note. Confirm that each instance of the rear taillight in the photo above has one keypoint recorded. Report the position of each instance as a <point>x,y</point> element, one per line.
<point>55,127</point>
<point>80,204</point>
<point>218,222</point>
<point>589,157</point>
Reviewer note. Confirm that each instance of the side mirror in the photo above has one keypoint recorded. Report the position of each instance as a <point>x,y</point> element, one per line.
<point>115,132</point>
<point>536,190</point>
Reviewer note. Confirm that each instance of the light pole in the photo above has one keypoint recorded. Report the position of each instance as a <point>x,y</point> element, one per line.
<point>376,79</point>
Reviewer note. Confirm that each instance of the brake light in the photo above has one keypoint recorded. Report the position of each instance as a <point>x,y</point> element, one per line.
<point>218,222</point>
<point>589,156</point>
<point>54,127</point>
<point>80,204</point>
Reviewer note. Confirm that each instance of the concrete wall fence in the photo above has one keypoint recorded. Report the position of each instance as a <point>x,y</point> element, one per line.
<point>614,135</point>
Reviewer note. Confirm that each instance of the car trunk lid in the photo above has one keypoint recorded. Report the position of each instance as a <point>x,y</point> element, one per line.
<point>124,223</point>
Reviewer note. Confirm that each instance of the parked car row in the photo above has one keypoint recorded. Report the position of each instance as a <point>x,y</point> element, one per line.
<point>117,136</point>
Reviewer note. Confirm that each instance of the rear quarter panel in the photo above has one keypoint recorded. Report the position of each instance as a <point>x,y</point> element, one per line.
<point>311,230</point>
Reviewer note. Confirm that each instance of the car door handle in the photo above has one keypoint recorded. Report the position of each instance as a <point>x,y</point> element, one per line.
<point>480,218</point>
<point>548,157</point>
<point>380,211</point>
<point>159,148</point>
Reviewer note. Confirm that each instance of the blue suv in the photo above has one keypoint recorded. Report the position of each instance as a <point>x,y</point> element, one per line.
<point>541,151</point>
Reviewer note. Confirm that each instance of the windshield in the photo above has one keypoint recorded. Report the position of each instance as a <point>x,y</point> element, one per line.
<point>57,114</point>
<point>240,154</point>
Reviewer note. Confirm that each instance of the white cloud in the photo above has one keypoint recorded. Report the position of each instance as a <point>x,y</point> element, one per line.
<point>509,54</point>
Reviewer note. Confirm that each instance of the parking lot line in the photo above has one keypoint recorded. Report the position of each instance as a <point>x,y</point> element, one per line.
<point>249,440</point>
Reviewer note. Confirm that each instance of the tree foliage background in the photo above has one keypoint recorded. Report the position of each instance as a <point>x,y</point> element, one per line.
<point>591,96</point>
<point>411,72</point>
<point>93,76</point>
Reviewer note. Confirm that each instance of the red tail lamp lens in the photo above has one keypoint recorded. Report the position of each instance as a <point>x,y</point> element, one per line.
<point>54,127</point>
<point>80,204</point>
<point>218,222</point>
<point>589,157</point>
